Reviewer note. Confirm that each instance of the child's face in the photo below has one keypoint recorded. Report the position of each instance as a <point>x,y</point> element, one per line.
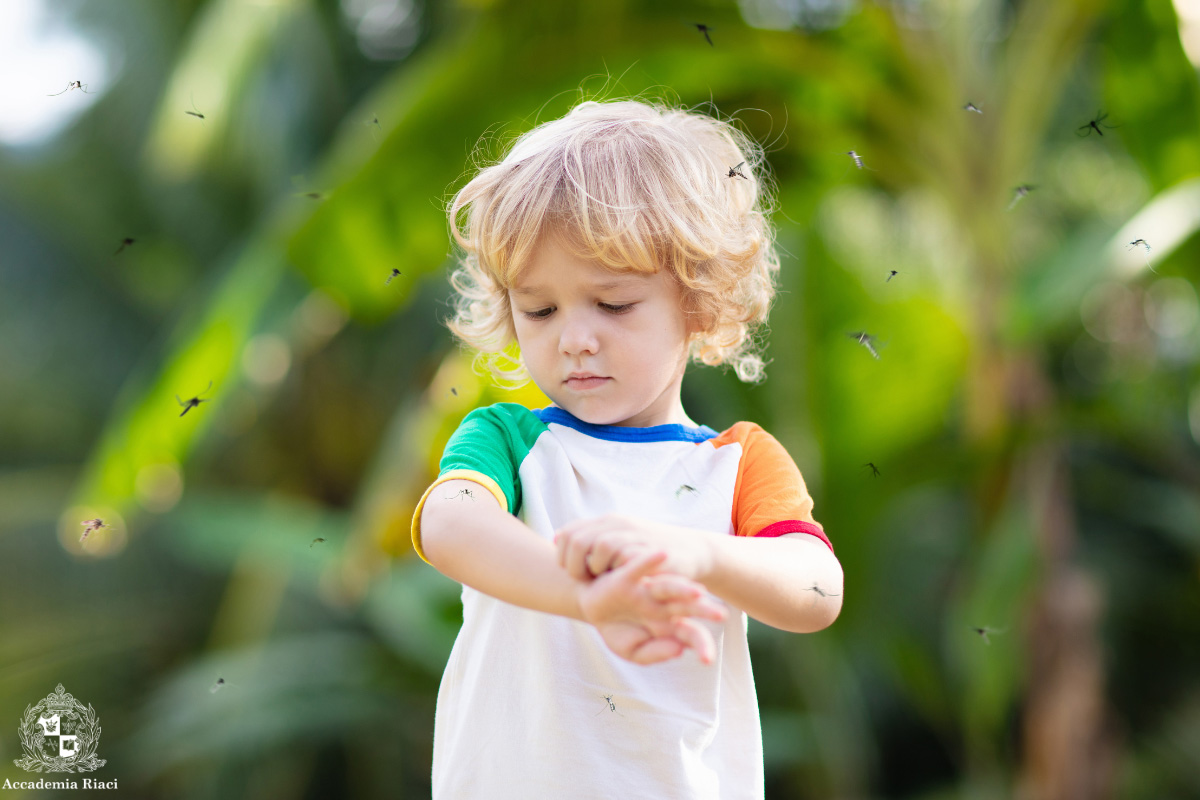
<point>573,315</point>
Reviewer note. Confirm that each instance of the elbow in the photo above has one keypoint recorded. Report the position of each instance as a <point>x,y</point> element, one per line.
<point>820,604</point>
<point>827,612</point>
<point>807,616</point>
<point>829,588</point>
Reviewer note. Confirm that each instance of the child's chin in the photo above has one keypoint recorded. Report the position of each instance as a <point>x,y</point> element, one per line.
<point>592,416</point>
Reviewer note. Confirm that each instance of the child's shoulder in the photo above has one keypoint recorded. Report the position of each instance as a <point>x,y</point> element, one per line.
<point>744,433</point>
<point>499,411</point>
<point>507,416</point>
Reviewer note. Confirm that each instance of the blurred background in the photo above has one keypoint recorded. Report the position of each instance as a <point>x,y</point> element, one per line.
<point>214,213</point>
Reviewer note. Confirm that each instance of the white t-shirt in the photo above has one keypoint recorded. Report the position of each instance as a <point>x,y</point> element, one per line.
<point>534,705</point>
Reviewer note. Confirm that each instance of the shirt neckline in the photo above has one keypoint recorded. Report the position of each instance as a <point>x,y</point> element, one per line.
<point>670,432</point>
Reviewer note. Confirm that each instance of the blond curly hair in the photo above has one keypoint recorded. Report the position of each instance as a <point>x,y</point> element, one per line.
<point>633,186</point>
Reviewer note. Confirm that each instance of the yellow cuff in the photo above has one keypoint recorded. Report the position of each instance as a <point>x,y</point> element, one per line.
<point>453,475</point>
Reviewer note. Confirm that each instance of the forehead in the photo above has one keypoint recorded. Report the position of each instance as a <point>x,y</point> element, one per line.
<point>631,281</point>
<point>552,265</point>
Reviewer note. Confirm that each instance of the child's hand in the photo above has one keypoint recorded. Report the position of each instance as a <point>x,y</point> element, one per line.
<point>591,547</point>
<point>646,618</point>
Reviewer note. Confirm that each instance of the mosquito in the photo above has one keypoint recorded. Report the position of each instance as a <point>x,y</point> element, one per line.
<point>1146,245</point>
<point>220,684</point>
<point>704,29</point>
<point>858,162</point>
<point>194,402</point>
<point>90,526</point>
<point>1021,191</point>
<point>972,107</point>
<point>195,112</point>
<point>461,492</point>
<point>985,632</point>
<point>124,243</point>
<point>866,340</point>
<point>684,488</point>
<point>874,469</point>
<point>1094,125</point>
<point>737,171</point>
<point>298,182</point>
<point>454,391</point>
<point>72,85</point>
<point>818,590</point>
<point>891,274</point>
<point>395,274</point>
<point>314,541</point>
<point>612,707</point>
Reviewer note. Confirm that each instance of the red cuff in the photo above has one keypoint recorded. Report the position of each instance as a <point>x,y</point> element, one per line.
<point>795,526</point>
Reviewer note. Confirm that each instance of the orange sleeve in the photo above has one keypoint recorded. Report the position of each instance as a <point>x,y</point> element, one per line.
<point>769,497</point>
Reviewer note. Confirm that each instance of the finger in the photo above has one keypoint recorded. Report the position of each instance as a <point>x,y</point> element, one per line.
<point>709,608</point>
<point>701,608</point>
<point>697,637</point>
<point>656,650</point>
<point>628,553</point>
<point>667,587</point>
<point>576,557</point>
<point>642,565</point>
<point>595,564</point>
<point>605,548</point>
<point>690,597</point>
<point>561,540</point>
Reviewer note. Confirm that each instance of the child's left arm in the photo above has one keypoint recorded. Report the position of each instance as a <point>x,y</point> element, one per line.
<point>792,582</point>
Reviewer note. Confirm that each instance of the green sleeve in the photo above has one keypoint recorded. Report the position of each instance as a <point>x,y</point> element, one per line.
<point>494,441</point>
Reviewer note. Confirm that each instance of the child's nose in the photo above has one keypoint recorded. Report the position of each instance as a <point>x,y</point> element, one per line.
<point>578,335</point>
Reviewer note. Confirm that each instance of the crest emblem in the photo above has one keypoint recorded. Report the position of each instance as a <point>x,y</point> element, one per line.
<point>59,735</point>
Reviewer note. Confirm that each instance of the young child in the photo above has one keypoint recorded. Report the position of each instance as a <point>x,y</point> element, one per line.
<point>609,547</point>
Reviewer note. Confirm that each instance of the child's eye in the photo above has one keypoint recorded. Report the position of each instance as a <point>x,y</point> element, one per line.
<point>609,307</point>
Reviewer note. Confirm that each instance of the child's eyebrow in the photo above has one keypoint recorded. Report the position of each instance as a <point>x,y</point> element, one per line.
<point>607,285</point>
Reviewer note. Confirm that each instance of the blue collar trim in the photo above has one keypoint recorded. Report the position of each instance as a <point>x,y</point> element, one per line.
<point>673,432</point>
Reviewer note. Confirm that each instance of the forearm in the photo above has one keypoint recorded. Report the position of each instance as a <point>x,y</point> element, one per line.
<point>497,554</point>
<point>789,582</point>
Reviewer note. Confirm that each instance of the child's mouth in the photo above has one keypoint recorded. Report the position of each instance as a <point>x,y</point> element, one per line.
<point>585,383</point>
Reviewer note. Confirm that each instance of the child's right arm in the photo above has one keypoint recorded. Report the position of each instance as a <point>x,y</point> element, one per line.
<point>470,538</point>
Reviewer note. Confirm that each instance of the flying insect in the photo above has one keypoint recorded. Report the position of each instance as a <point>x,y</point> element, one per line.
<point>1093,124</point>
<point>72,85</point>
<point>866,340</point>
<point>194,402</point>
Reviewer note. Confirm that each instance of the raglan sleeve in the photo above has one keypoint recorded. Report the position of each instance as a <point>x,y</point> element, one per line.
<point>482,450</point>
<point>770,498</point>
